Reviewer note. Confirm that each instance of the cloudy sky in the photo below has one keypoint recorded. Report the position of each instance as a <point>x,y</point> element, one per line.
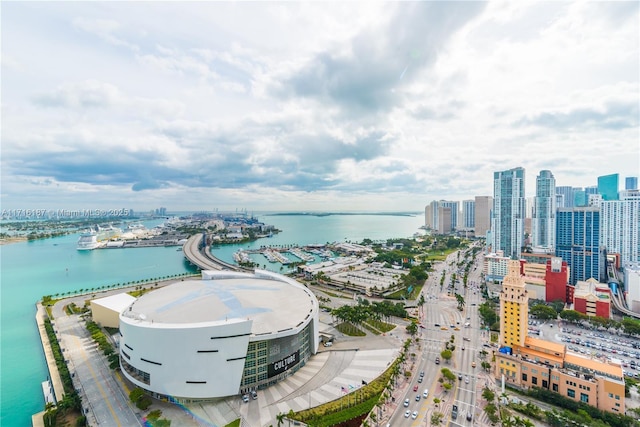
<point>310,106</point>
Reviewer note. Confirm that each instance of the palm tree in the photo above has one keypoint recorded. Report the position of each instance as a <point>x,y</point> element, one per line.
<point>280,418</point>
<point>526,422</point>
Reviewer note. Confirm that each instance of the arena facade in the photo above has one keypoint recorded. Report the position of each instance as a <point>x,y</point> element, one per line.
<point>228,333</point>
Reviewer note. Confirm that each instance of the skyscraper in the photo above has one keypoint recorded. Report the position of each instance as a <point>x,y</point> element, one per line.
<point>507,224</point>
<point>455,208</point>
<point>578,242</point>
<point>468,214</point>
<point>483,207</point>
<point>631,183</point>
<point>543,222</point>
<point>567,196</point>
<point>444,220</point>
<point>431,215</point>
<point>608,186</point>
<point>620,226</point>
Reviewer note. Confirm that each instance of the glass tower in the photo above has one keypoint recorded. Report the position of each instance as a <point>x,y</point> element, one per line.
<point>543,221</point>
<point>578,242</point>
<point>507,224</point>
<point>567,196</point>
<point>608,186</point>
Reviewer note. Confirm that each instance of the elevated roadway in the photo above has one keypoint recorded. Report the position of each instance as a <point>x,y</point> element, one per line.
<point>201,257</point>
<point>617,299</point>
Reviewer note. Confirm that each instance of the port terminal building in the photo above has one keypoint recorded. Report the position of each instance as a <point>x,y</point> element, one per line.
<point>226,334</point>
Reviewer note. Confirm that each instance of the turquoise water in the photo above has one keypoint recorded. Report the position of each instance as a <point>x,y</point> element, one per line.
<point>30,270</point>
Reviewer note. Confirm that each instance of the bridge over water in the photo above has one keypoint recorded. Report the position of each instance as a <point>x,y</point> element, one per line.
<point>200,256</point>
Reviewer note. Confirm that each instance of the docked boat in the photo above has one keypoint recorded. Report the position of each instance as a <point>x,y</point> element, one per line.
<point>97,237</point>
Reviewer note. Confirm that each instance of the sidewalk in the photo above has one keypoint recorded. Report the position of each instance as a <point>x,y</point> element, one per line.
<point>54,375</point>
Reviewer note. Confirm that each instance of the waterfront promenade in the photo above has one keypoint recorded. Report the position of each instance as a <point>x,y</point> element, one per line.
<point>54,375</point>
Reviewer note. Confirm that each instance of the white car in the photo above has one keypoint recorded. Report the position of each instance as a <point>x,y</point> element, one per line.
<point>425,394</point>
<point>414,415</point>
<point>466,380</point>
<point>407,414</point>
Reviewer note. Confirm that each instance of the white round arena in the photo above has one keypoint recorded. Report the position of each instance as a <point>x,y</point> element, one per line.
<point>225,334</point>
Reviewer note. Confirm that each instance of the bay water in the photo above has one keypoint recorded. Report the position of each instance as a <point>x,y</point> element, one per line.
<point>30,270</point>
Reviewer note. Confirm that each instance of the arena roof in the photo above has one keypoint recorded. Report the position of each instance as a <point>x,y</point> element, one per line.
<point>273,305</point>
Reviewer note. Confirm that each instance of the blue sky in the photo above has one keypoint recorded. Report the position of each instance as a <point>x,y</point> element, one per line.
<point>310,106</point>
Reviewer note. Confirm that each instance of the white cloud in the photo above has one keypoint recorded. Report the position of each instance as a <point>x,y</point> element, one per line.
<point>342,105</point>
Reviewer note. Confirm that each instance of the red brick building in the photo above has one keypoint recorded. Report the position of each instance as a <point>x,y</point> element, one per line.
<point>592,298</point>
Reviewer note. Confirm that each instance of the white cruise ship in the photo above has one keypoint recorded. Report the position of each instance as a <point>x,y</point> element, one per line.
<point>97,237</point>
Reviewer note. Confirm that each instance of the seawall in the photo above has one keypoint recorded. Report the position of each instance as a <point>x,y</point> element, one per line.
<point>54,375</point>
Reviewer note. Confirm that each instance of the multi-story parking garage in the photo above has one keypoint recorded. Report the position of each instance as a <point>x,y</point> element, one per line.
<point>225,334</point>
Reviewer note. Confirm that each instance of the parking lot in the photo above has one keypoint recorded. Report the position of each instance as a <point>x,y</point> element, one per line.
<point>599,344</point>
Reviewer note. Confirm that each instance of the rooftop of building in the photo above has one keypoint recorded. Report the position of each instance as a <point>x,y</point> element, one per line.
<point>274,303</point>
<point>545,346</point>
<point>591,288</point>
<point>611,370</point>
<point>117,302</point>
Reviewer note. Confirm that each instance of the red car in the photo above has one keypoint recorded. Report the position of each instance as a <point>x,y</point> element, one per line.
<point>415,387</point>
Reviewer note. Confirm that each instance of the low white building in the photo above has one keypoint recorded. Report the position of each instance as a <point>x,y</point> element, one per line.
<point>106,311</point>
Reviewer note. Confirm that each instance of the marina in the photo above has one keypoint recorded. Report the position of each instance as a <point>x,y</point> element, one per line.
<point>278,254</point>
<point>54,266</point>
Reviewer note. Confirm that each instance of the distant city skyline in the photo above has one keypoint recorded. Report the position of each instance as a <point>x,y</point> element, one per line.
<point>311,106</point>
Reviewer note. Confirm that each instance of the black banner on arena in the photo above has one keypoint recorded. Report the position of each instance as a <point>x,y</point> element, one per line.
<point>283,364</point>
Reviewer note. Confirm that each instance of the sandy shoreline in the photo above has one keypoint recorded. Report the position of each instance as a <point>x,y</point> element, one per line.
<point>10,240</point>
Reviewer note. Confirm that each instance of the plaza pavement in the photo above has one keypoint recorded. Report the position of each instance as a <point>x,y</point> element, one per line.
<point>343,366</point>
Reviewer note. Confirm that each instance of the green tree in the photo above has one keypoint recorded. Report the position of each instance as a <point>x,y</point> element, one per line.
<point>488,395</point>
<point>572,316</point>
<point>412,328</point>
<point>436,418</point>
<point>558,305</point>
<point>631,326</point>
<point>543,312</point>
<point>446,355</point>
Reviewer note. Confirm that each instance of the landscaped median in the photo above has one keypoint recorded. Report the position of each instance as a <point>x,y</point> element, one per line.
<point>356,405</point>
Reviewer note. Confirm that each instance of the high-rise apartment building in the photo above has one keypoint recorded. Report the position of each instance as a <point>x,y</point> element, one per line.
<point>468,214</point>
<point>507,224</point>
<point>444,220</point>
<point>593,189</point>
<point>631,183</point>
<point>608,186</point>
<point>567,196</point>
<point>578,242</point>
<point>434,219</point>
<point>431,215</point>
<point>543,220</point>
<point>454,209</point>
<point>483,206</point>
<point>620,226</point>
